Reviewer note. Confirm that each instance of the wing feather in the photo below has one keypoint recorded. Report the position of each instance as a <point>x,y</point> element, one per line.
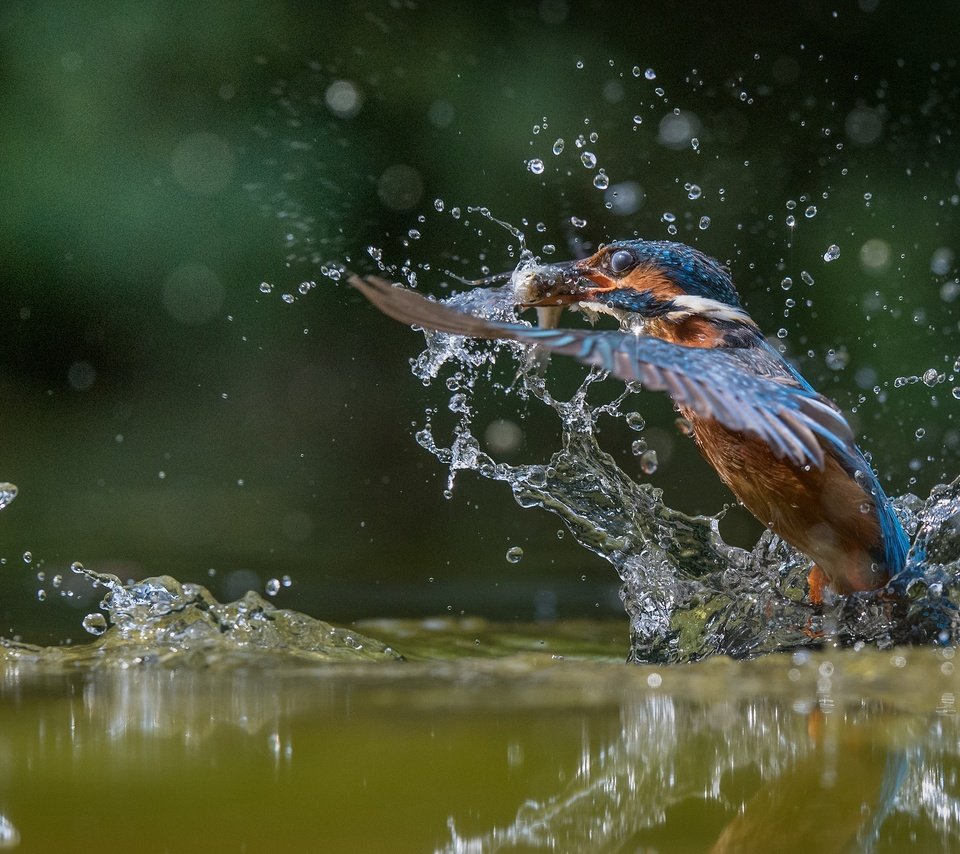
<point>715,383</point>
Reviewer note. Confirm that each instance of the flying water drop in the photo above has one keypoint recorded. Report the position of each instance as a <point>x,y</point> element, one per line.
<point>649,462</point>
<point>8,492</point>
<point>96,624</point>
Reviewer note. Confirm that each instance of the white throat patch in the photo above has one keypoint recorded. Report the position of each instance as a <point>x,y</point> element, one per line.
<point>688,305</point>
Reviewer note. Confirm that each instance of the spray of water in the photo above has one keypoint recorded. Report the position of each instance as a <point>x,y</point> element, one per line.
<point>688,593</point>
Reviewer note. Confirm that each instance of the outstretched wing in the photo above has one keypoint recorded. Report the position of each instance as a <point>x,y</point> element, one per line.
<point>792,419</point>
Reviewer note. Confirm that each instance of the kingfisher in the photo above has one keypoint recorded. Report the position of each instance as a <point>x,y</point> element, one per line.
<point>784,450</point>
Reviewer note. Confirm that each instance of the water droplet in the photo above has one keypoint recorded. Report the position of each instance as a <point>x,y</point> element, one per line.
<point>920,432</point>
<point>781,333</point>
<point>635,421</point>
<point>576,222</point>
<point>266,287</point>
<point>931,377</point>
<point>638,447</point>
<point>438,204</point>
<point>806,277</point>
<point>42,595</point>
<point>455,213</point>
<point>694,191</point>
<point>684,426</point>
<point>791,221</point>
<point>272,586</point>
<point>704,223</point>
<point>514,554</point>
<point>650,74</point>
<point>649,462</point>
<point>666,216</point>
<point>837,360</point>
<point>588,159</point>
<point>956,392</point>
<point>535,166</point>
<point>810,212</point>
<point>28,557</point>
<point>558,146</point>
<point>601,181</point>
<point>286,581</point>
<point>638,120</point>
<point>832,253</point>
<point>96,624</point>
<point>786,283</point>
<point>579,63</point>
<point>8,492</point>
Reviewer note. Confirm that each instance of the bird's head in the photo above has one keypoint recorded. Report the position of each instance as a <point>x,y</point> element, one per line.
<point>680,294</point>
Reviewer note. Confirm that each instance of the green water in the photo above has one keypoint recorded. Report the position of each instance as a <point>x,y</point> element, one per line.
<point>487,737</point>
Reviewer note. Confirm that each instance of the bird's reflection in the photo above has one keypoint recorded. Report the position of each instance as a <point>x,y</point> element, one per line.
<point>725,777</point>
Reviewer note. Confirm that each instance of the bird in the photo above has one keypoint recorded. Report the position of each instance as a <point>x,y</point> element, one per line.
<point>785,451</point>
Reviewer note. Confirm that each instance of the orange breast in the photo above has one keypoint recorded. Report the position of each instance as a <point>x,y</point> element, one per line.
<point>824,513</point>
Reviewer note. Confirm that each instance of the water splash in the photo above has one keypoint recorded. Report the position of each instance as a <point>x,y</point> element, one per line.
<point>162,621</point>
<point>688,593</point>
<point>8,492</point>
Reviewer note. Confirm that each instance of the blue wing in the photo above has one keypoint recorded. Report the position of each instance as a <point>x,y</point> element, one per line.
<point>790,417</point>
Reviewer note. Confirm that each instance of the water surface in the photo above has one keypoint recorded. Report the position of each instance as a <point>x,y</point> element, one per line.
<point>462,736</point>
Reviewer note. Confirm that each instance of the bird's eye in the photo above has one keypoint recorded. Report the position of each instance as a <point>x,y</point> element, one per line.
<point>621,261</point>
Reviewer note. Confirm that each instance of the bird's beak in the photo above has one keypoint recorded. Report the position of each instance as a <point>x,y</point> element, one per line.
<point>553,287</point>
<point>550,285</point>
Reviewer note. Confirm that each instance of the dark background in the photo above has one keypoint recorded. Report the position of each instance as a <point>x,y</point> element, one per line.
<point>161,414</point>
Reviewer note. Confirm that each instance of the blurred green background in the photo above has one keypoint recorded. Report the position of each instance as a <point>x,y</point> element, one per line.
<point>169,171</point>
